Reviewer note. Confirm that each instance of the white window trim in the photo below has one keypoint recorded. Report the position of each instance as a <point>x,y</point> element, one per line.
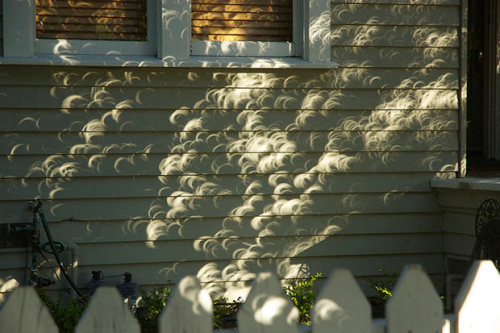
<point>175,35</point>
<point>173,47</point>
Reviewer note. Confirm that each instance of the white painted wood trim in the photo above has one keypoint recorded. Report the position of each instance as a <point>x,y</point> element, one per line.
<point>473,184</point>
<point>174,37</point>
<point>462,154</point>
<point>242,49</point>
<point>298,27</point>
<point>18,28</point>
<point>317,46</point>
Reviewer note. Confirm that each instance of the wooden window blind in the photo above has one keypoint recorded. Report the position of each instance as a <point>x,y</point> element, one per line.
<point>92,19</point>
<point>242,20</point>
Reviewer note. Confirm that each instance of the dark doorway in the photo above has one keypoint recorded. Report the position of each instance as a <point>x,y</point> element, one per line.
<point>483,89</point>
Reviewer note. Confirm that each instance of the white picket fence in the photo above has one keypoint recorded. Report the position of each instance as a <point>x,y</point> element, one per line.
<point>340,307</point>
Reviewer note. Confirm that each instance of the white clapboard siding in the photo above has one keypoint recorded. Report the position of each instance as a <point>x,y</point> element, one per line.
<point>340,307</point>
<point>109,149</point>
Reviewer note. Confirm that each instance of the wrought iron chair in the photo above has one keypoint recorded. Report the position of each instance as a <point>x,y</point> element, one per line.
<point>487,244</point>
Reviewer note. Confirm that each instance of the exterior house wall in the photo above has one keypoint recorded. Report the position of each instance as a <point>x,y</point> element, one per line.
<point>461,200</point>
<point>1,29</point>
<point>225,172</point>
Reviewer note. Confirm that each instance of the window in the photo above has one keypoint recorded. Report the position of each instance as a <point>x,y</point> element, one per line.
<point>245,27</point>
<point>483,88</point>
<point>79,27</point>
<point>177,31</point>
<point>311,33</point>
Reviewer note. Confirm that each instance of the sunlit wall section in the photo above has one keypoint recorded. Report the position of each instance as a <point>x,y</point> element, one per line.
<point>399,72</point>
<point>223,173</point>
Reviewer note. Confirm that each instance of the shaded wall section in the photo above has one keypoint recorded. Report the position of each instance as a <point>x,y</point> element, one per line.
<point>223,173</point>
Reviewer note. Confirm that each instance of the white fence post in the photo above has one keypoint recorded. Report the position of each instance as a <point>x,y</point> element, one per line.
<point>267,309</point>
<point>341,306</point>
<point>24,312</point>
<point>189,309</point>
<point>415,305</point>
<point>106,313</point>
<point>477,305</point>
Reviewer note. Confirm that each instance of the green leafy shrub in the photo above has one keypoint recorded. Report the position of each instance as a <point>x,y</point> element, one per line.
<point>383,287</point>
<point>302,294</point>
<point>66,315</point>
<point>225,312</point>
<point>153,303</point>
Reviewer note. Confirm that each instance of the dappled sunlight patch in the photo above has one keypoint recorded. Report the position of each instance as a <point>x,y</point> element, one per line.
<point>245,166</point>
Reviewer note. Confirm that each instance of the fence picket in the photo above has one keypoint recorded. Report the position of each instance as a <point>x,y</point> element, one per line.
<point>341,306</point>
<point>107,313</point>
<point>188,310</point>
<point>415,305</point>
<point>24,312</point>
<point>267,309</point>
<point>478,300</point>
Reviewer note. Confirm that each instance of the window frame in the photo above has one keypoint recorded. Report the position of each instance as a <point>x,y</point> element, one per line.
<point>256,48</point>
<point>21,41</point>
<point>312,39</point>
<point>170,40</point>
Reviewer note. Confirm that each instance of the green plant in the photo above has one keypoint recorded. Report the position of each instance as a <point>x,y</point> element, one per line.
<point>383,287</point>
<point>66,315</point>
<point>224,310</point>
<point>153,303</point>
<point>302,294</point>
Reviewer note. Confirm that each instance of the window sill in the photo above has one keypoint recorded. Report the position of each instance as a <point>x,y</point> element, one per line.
<point>144,61</point>
<point>477,184</point>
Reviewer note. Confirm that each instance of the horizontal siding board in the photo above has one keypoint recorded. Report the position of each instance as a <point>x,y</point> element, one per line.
<point>128,120</point>
<point>457,244</point>
<point>464,201</point>
<point>163,273</point>
<point>420,57</point>
<point>459,223</point>
<point>230,98</point>
<point>123,187</point>
<point>394,36</point>
<point>271,247</point>
<point>394,14</point>
<point>220,206</point>
<point>136,164</point>
<point>88,232</point>
<point>226,78</point>
<point>155,77</point>
<point>231,142</point>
